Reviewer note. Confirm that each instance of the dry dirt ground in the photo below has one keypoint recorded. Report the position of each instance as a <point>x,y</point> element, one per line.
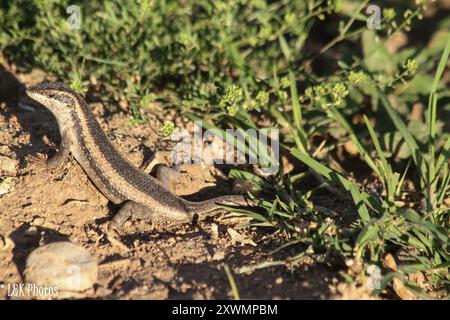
<point>160,261</point>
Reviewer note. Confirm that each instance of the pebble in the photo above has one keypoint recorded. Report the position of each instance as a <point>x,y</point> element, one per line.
<point>31,231</point>
<point>214,231</point>
<point>64,265</point>
<point>6,243</point>
<point>8,166</point>
<point>38,221</point>
<point>5,186</point>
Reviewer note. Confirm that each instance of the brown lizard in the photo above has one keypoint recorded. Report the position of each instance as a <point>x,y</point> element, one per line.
<point>117,179</point>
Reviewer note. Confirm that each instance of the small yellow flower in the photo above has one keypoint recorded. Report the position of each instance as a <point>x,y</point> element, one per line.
<point>167,129</point>
<point>356,77</point>
<point>263,98</point>
<point>410,67</point>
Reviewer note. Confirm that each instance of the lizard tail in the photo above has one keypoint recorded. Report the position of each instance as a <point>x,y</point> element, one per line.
<point>213,206</point>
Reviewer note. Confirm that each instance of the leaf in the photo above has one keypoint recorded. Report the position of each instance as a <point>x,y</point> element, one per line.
<point>428,227</point>
<point>361,149</point>
<point>359,202</point>
<point>369,232</point>
<point>331,175</point>
<point>441,66</point>
<point>297,113</point>
<point>401,127</point>
<point>376,57</point>
<point>285,48</point>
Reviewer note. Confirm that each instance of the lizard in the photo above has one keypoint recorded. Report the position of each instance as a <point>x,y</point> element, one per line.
<point>139,194</point>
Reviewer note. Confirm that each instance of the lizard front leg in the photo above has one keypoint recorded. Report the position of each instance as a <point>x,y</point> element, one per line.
<point>62,154</point>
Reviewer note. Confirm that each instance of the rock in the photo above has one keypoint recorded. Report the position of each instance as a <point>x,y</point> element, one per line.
<point>38,221</point>
<point>8,166</point>
<point>214,231</point>
<point>64,265</point>
<point>31,231</point>
<point>6,243</point>
<point>351,148</point>
<point>6,185</point>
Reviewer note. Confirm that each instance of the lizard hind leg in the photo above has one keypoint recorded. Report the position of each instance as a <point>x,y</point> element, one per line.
<point>130,208</point>
<point>166,175</point>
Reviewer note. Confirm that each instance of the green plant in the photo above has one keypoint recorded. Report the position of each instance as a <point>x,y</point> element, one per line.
<point>386,225</point>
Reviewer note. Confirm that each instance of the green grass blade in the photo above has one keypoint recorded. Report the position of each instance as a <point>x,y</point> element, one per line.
<point>432,109</point>
<point>441,66</point>
<point>444,156</point>
<point>402,180</point>
<point>401,127</point>
<point>389,179</point>
<point>331,175</point>
<point>297,110</point>
<point>232,282</point>
<point>359,202</point>
<point>361,149</point>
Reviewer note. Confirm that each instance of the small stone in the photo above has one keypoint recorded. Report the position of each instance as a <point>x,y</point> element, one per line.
<point>214,231</point>
<point>279,280</point>
<point>389,261</point>
<point>402,291</point>
<point>8,166</point>
<point>349,262</point>
<point>351,148</point>
<point>6,243</point>
<point>38,221</point>
<point>31,231</point>
<point>447,202</point>
<point>5,186</point>
<point>64,265</point>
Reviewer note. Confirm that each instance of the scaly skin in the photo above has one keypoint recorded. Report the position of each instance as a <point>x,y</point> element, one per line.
<point>117,179</point>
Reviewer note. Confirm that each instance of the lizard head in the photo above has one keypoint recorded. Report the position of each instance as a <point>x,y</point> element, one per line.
<point>55,96</point>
